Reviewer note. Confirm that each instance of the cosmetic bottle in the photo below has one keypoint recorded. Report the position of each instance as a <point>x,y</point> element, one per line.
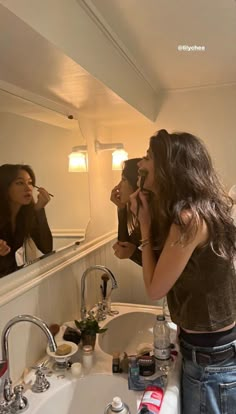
<point>151,400</point>
<point>133,367</point>
<point>87,357</point>
<point>117,406</point>
<point>116,362</point>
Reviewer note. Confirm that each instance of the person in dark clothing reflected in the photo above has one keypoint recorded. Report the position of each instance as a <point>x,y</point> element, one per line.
<point>21,218</point>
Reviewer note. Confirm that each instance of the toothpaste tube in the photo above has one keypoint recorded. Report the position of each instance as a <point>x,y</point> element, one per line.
<point>151,400</point>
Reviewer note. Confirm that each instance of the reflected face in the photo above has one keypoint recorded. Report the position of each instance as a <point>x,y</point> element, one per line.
<point>125,190</point>
<point>20,191</point>
<point>147,164</point>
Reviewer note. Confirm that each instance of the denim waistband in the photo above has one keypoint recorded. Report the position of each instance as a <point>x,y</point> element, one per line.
<point>209,338</point>
<point>207,355</point>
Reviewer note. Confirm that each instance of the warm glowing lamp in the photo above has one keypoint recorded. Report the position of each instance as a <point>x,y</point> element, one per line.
<point>118,157</point>
<point>78,159</point>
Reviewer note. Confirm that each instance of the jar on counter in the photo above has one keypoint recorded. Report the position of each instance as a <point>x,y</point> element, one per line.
<point>87,356</point>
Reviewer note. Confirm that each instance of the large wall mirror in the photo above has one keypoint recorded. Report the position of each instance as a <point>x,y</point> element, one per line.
<point>32,134</point>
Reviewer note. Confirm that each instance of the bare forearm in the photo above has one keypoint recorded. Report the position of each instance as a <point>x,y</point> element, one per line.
<point>41,233</point>
<point>149,264</point>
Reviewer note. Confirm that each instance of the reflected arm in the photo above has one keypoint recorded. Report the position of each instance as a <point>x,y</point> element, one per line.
<point>134,237</point>
<point>41,233</point>
<point>123,234</point>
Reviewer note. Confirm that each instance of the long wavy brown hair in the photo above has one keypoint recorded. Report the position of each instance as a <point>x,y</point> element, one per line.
<point>8,173</point>
<point>185,179</point>
<point>130,172</point>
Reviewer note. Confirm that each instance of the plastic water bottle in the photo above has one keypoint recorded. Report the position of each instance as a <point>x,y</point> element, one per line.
<point>161,333</point>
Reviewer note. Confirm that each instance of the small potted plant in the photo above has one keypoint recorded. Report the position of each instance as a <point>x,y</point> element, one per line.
<point>89,328</point>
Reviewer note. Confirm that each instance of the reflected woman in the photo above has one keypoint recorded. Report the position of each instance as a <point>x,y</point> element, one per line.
<point>128,232</point>
<point>21,218</point>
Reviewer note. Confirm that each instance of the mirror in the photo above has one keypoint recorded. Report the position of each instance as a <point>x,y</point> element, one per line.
<point>42,138</point>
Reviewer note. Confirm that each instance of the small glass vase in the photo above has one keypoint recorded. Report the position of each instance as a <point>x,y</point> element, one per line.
<point>88,339</point>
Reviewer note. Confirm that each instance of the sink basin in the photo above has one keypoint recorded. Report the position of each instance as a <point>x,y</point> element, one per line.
<point>126,332</point>
<point>89,394</point>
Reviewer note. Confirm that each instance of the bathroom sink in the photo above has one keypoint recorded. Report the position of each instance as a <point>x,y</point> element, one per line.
<point>89,394</point>
<point>126,332</point>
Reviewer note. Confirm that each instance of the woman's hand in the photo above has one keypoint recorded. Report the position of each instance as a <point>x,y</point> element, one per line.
<point>115,197</point>
<point>139,207</point>
<point>43,198</point>
<point>4,248</point>
<point>123,250</point>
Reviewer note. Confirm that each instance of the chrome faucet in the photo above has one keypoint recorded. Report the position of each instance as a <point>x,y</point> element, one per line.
<point>15,401</point>
<point>83,310</point>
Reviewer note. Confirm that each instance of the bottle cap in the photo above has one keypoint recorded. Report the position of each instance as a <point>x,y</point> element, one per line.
<point>88,349</point>
<point>117,403</point>
<point>144,410</point>
<point>76,368</point>
<point>161,318</point>
<point>116,354</point>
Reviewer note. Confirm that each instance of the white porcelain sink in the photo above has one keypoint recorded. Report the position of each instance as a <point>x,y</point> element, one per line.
<point>88,395</point>
<point>91,393</point>
<point>126,332</point>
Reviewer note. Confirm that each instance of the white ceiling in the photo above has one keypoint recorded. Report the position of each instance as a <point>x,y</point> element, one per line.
<point>129,45</point>
<point>32,67</point>
<point>152,30</point>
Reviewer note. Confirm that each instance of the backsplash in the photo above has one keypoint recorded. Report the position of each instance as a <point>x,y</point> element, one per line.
<point>57,299</point>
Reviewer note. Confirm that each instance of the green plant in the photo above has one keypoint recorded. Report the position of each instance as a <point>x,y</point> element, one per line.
<point>89,326</point>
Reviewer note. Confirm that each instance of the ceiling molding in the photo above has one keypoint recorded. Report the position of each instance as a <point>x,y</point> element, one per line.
<point>60,113</point>
<point>87,40</point>
<point>200,87</point>
<point>102,24</point>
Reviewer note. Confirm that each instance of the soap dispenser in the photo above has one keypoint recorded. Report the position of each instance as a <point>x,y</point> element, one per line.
<point>117,406</point>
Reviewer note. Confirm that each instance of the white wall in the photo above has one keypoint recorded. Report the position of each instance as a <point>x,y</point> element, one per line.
<point>209,113</point>
<point>46,147</point>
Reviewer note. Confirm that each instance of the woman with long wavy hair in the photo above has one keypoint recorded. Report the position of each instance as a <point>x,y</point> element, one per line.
<point>21,218</point>
<point>128,241</point>
<point>196,239</point>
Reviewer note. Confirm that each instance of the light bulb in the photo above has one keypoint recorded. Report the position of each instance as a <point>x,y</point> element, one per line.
<point>118,157</point>
<point>77,162</point>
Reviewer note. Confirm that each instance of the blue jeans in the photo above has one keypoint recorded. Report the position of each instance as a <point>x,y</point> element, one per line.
<point>208,389</point>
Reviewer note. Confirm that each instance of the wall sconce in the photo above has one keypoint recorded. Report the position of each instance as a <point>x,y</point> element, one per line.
<point>78,159</point>
<point>119,155</point>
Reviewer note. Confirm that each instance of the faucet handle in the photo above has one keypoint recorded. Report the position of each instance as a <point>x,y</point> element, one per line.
<point>41,383</point>
<point>7,391</point>
<point>20,402</point>
<point>101,312</point>
<point>4,407</point>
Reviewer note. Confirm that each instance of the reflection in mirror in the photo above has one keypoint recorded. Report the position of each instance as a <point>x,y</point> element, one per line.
<point>37,137</point>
